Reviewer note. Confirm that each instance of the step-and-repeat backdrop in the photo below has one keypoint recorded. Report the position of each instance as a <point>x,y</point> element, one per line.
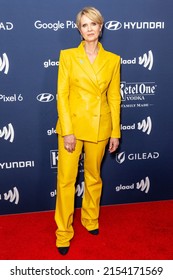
<point>32,33</point>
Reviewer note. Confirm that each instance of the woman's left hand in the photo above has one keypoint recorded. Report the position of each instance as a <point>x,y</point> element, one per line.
<point>113,144</point>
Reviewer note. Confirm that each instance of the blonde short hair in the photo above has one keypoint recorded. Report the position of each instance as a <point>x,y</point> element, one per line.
<point>92,13</point>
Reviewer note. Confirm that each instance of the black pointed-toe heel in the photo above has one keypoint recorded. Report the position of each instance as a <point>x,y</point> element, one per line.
<point>94,231</point>
<point>63,250</point>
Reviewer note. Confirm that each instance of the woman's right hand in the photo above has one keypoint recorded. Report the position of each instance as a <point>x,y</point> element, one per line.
<point>70,142</point>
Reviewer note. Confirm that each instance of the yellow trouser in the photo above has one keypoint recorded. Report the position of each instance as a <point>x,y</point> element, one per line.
<point>67,173</point>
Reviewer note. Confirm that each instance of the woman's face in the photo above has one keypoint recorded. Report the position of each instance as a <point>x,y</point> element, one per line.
<point>89,29</point>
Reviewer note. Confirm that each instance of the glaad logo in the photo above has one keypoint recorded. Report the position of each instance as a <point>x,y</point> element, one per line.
<point>45,97</point>
<point>50,63</point>
<point>144,125</point>
<point>53,193</point>
<point>113,25</point>
<point>4,64</point>
<point>81,163</point>
<point>80,189</point>
<point>143,185</point>
<point>147,60</point>
<point>6,26</point>
<point>51,131</point>
<point>11,196</point>
<point>121,157</point>
<point>7,133</point>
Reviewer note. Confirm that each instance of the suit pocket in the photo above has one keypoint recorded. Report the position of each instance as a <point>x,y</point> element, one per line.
<point>105,126</point>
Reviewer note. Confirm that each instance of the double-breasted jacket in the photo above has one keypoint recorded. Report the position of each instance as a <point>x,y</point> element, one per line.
<point>88,99</point>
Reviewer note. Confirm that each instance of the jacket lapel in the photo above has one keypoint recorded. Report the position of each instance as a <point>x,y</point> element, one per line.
<point>100,60</point>
<point>91,69</point>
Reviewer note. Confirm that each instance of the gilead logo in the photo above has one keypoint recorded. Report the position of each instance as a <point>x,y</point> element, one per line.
<point>7,26</point>
<point>121,157</point>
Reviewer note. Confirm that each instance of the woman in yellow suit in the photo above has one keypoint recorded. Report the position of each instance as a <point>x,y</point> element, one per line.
<point>89,117</point>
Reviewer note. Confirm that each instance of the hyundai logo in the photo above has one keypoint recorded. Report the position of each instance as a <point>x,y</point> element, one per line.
<point>45,97</point>
<point>113,25</point>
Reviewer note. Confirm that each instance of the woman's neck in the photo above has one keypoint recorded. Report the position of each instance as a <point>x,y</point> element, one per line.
<point>91,48</point>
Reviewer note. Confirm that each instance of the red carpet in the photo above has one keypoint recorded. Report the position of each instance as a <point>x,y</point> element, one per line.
<point>141,231</point>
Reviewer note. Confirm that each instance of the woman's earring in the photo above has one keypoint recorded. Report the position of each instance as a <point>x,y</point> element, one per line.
<point>100,35</point>
<point>81,37</point>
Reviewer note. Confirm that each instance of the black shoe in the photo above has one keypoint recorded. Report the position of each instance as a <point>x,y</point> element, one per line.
<point>63,250</point>
<point>94,231</point>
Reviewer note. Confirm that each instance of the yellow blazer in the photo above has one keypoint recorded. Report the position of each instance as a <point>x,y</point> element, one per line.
<point>88,100</point>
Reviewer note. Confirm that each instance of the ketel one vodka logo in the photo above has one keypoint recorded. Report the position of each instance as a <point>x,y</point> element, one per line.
<point>53,158</point>
<point>4,64</point>
<point>137,90</point>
